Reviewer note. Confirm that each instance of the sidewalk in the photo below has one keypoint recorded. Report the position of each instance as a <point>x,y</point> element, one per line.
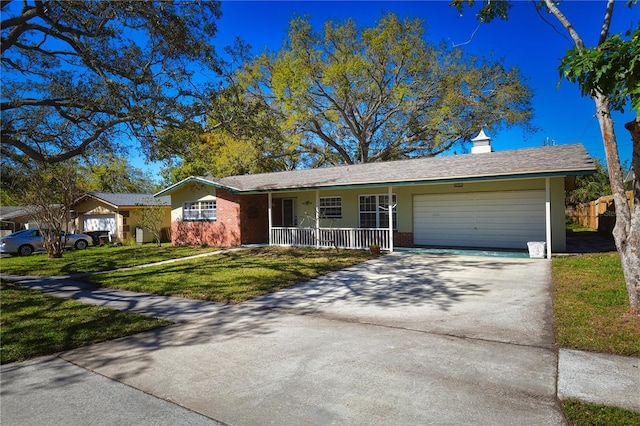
<point>52,391</point>
<point>599,378</point>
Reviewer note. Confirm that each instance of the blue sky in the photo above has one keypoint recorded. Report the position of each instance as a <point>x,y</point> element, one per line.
<point>524,41</point>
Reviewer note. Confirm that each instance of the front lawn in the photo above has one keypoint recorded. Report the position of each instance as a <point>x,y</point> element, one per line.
<point>95,259</point>
<point>233,277</point>
<point>33,324</point>
<point>591,305</point>
<point>585,414</point>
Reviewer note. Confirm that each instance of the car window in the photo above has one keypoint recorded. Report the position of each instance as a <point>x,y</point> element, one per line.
<point>23,232</point>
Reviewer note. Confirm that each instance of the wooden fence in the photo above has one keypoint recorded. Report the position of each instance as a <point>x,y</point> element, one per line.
<point>599,214</point>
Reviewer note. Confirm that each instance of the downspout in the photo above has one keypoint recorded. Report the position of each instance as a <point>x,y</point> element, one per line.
<point>390,219</point>
<point>547,187</point>
<point>269,201</point>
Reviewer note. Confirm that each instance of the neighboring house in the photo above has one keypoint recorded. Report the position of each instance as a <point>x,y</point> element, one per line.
<point>117,213</point>
<point>484,199</point>
<point>14,218</point>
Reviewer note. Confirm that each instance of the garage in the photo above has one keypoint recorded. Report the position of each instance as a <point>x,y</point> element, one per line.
<point>501,219</point>
<point>99,222</point>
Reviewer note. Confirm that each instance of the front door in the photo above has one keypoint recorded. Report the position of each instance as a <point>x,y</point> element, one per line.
<point>288,212</point>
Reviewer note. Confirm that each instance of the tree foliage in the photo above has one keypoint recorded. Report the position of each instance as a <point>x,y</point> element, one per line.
<point>150,218</point>
<point>83,73</point>
<point>613,68</point>
<point>241,134</point>
<point>245,140</point>
<point>114,173</point>
<point>356,95</point>
<point>51,190</point>
<point>220,153</point>
<point>590,187</point>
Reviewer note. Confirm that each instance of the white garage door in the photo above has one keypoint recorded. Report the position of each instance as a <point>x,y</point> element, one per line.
<point>99,222</point>
<point>505,219</point>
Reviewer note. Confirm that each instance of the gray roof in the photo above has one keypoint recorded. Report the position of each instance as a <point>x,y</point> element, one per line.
<point>10,212</point>
<point>129,199</point>
<point>558,160</point>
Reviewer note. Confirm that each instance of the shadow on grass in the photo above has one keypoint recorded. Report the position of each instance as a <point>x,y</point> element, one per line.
<point>34,324</point>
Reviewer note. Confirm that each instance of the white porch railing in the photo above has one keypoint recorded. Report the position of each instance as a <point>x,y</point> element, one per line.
<point>348,238</point>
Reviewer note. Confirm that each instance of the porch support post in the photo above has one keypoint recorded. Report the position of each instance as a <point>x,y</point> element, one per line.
<point>269,210</point>
<point>547,187</point>
<point>390,219</point>
<point>317,218</point>
<point>117,231</point>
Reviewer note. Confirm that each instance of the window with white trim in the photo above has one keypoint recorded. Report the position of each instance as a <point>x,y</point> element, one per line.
<point>330,207</point>
<point>199,210</point>
<point>373,211</point>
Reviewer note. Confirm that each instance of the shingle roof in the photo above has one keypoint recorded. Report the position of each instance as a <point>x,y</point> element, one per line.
<point>130,199</point>
<point>9,212</point>
<point>543,161</point>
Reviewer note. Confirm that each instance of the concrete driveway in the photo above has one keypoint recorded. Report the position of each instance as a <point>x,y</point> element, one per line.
<point>496,299</point>
<point>403,339</point>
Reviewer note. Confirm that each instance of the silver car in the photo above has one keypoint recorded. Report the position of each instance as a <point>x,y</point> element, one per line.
<point>29,240</point>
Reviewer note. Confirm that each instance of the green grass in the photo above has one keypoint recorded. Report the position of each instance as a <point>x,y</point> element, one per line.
<point>591,305</point>
<point>575,228</point>
<point>591,310</point>
<point>94,259</point>
<point>585,414</point>
<point>233,277</point>
<point>33,324</point>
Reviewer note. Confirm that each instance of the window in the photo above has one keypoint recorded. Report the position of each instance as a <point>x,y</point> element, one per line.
<point>199,210</point>
<point>330,207</point>
<point>374,211</point>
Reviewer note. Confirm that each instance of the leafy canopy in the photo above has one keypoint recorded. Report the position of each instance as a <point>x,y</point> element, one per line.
<point>356,95</point>
<point>240,136</point>
<point>82,73</point>
<point>612,68</point>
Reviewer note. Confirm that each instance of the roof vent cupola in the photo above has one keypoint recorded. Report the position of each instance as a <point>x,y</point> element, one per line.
<point>481,143</point>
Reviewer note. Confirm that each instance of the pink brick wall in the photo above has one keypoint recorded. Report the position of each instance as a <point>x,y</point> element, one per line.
<point>403,239</point>
<point>227,230</point>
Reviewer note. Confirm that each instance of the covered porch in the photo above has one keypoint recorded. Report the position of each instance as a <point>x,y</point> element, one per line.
<point>310,230</point>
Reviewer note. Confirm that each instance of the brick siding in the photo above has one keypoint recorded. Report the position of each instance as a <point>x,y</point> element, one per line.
<point>403,239</point>
<point>240,219</point>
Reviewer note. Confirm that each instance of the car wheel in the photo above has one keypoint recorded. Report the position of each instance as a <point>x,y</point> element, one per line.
<point>81,244</point>
<point>25,250</point>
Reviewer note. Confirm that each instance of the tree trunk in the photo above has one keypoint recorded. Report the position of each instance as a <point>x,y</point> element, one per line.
<point>626,232</point>
<point>54,247</point>
<point>632,270</point>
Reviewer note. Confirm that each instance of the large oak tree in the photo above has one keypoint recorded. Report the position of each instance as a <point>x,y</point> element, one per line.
<point>357,95</point>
